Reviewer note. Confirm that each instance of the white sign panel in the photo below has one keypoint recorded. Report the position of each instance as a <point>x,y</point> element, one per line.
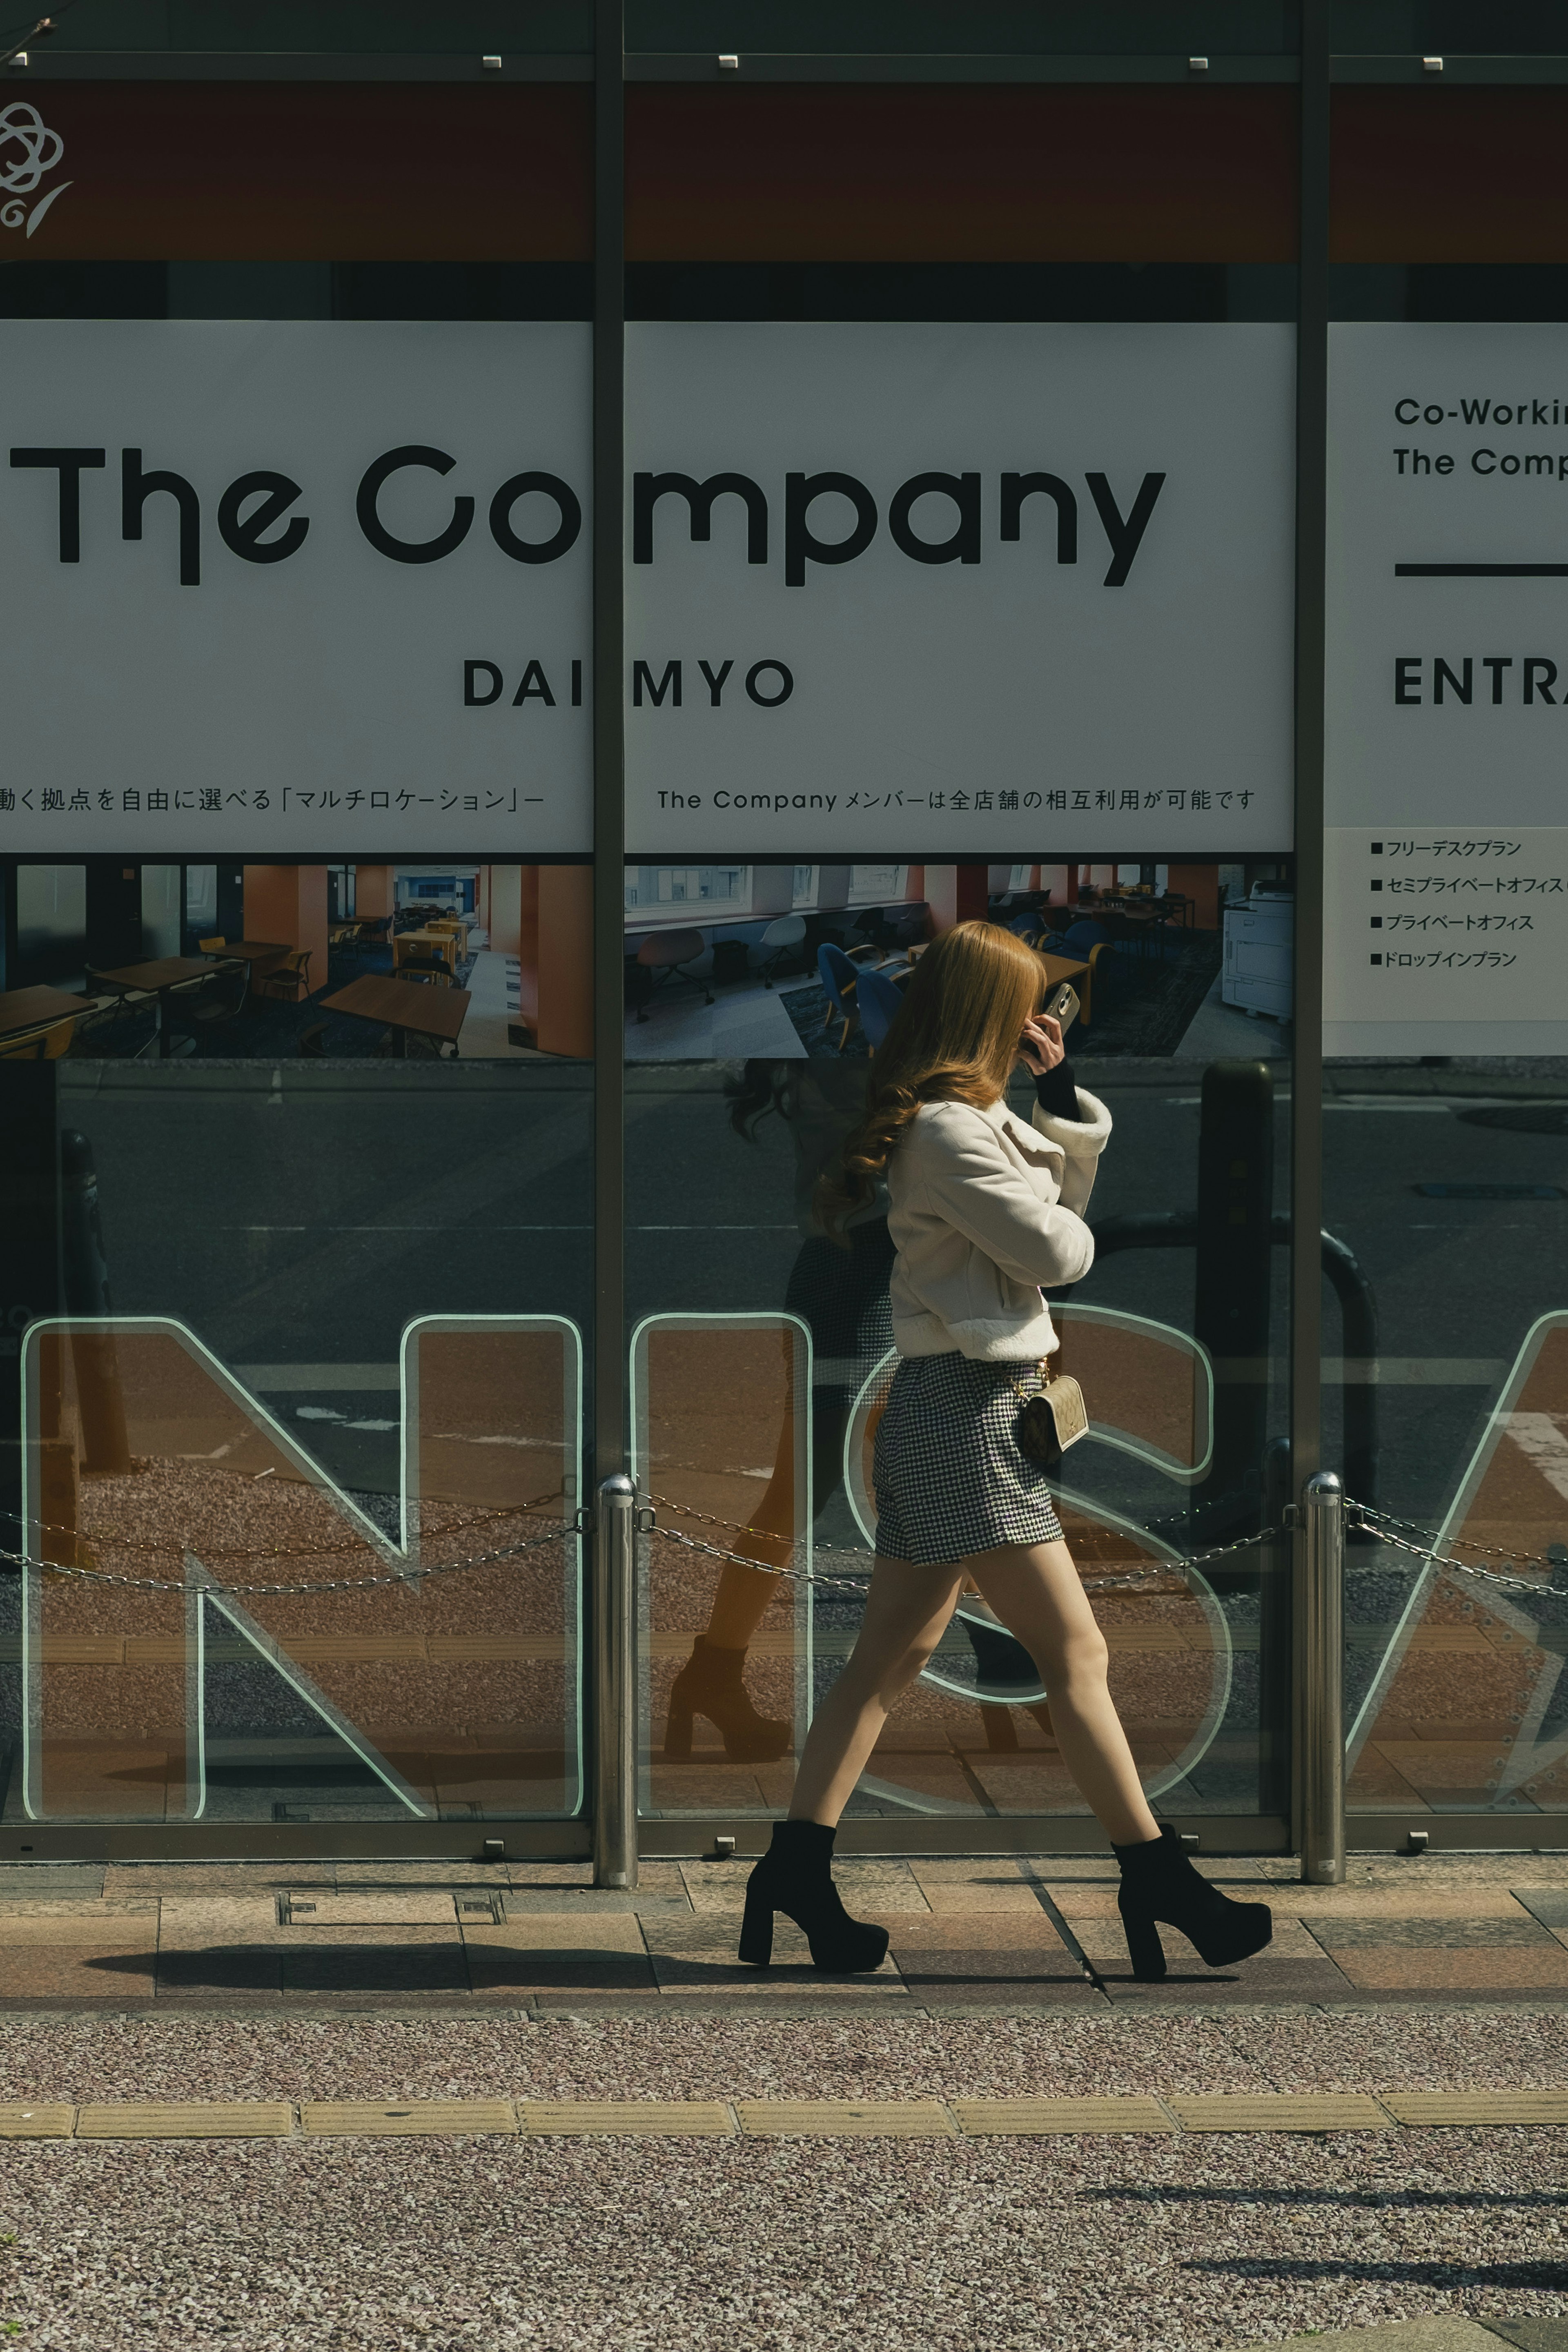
<point>959,588</point>
<point>297,587</point>
<point>1447,911</point>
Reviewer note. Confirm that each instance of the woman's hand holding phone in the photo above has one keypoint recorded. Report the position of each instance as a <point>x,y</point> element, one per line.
<point>1041,1046</point>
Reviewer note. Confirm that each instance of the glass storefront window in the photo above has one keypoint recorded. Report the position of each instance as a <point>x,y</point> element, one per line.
<point>317,1257</point>
<point>1446,1085</point>
<point>958,582</point>
<point>333,1296</point>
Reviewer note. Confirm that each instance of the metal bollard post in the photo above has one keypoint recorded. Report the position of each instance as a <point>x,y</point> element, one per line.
<point>1320,1680</point>
<point>616,1685</point>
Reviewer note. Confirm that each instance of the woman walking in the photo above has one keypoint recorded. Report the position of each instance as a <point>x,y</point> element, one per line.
<point>984,1209</point>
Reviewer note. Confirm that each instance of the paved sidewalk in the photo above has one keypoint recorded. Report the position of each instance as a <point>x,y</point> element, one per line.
<point>419,2108</point>
<point>1033,1934</point>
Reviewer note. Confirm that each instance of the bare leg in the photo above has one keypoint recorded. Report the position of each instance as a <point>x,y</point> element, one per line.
<point>907,1610</point>
<point>1034,1590</point>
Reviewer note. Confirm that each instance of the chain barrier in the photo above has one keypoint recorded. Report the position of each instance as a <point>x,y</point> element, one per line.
<point>1379,1523</point>
<point>856,1551</point>
<point>1136,1580</point>
<point>1374,1521</point>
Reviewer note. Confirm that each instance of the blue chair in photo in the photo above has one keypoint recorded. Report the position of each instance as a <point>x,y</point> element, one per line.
<point>1031,930</point>
<point>841,982</point>
<point>878,999</point>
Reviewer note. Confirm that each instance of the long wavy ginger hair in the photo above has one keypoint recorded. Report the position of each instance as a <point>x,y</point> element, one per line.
<point>954,1039</point>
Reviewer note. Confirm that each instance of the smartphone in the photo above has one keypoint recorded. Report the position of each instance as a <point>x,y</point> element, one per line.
<point>1063,1007</point>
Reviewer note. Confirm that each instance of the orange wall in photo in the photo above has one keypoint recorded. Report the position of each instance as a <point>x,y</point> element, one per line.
<point>1201,885</point>
<point>528,945</point>
<point>373,891</point>
<point>565,959</point>
<point>289,904</point>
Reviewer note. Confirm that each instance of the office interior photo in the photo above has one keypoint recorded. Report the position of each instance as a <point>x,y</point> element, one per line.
<point>105,958</point>
<point>746,962</point>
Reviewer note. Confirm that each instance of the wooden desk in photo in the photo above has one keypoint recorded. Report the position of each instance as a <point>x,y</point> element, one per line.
<point>258,956</point>
<point>442,944</point>
<point>250,953</point>
<point>402,1005</point>
<point>31,1008</point>
<point>158,980</point>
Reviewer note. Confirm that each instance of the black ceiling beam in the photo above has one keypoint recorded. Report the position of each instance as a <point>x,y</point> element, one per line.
<point>945,66</point>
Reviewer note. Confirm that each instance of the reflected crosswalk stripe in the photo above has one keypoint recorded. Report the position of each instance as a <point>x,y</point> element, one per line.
<point>1541,1437</point>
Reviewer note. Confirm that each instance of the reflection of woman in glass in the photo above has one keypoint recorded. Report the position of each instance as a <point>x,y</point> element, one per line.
<point>840,1290</point>
<point>984,1209</point>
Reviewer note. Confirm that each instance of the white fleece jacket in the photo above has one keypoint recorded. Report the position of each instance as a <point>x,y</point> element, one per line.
<point>985,1207</point>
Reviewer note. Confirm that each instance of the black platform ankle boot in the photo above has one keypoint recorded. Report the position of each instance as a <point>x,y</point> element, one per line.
<point>795,1877</point>
<point>709,1685</point>
<point>1158,1882</point>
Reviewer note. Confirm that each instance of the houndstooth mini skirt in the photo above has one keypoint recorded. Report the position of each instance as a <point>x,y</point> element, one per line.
<point>949,1474</point>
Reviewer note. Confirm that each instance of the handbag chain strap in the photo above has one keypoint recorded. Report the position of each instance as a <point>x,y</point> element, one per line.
<point>1042,1375</point>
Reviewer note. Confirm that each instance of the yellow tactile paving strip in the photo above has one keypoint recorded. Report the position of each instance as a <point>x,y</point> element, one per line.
<point>847,2118</point>
<point>631,2118</point>
<point>1031,2118</point>
<point>183,2119</point>
<point>1310,2111</point>
<point>800,2118</point>
<point>358,2119</point>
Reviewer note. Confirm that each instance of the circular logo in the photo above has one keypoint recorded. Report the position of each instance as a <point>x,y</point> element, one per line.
<point>28,149</point>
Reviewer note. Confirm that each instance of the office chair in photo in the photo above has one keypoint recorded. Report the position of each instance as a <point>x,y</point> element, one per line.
<point>776,943</point>
<point>840,982</point>
<point>666,955</point>
<point>290,980</point>
<point>878,999</point>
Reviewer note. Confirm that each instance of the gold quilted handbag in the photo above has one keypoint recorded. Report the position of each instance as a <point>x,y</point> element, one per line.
<point>1054,1418</point>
